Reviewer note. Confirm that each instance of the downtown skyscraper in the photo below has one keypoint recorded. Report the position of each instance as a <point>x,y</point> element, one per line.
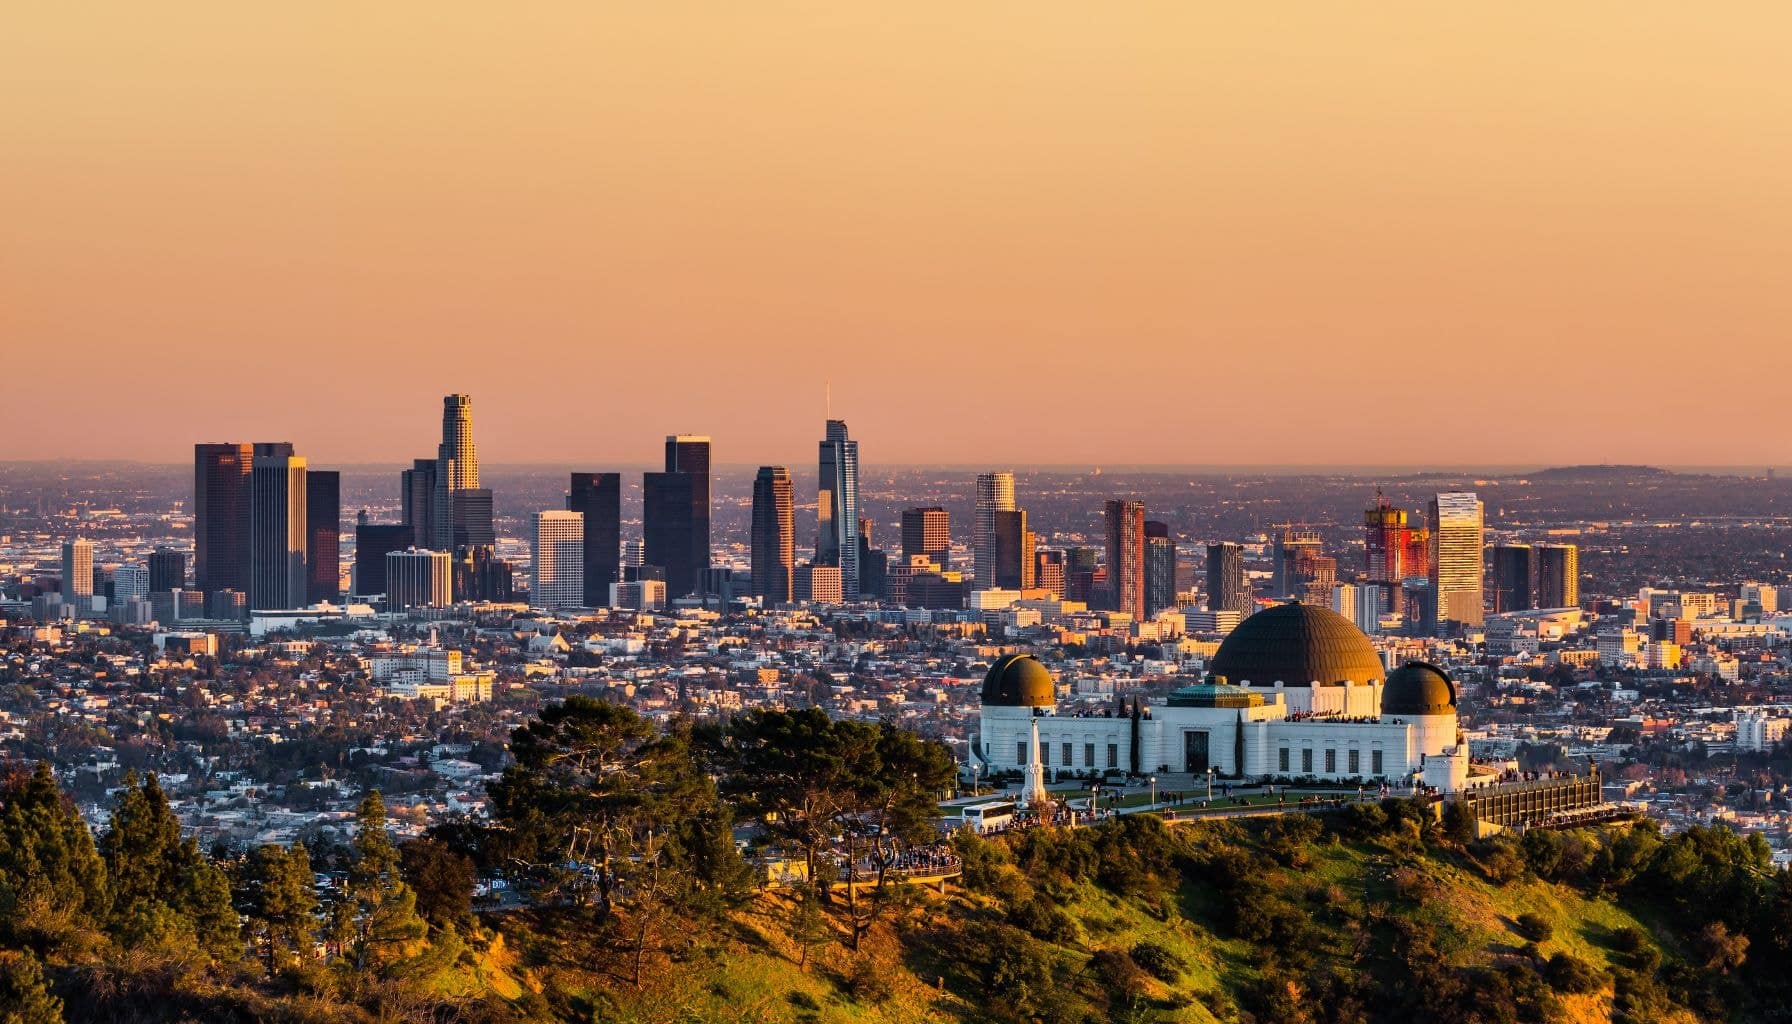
<point>457,469</point>
<point>1512,567</point>
<point>1016,549</point>
<point>675,514</point>
<point>837,507</point>
<point>995,493</point>
<point>927,532</point>
<point>1126,557</point>
<point>323,535</point>
<point>558,579</point>
<point>773,540</point>
<point>277,527</point>
<point>221,516</point>
<point>1558,576</point>
<point>1457,562</point>
<point>598,497</point>
<point>1160,567</point>
<point>1228,589</point>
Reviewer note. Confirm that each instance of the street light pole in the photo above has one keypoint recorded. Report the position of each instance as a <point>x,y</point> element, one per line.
<point>1210,784</point>
<point>1154,791</point>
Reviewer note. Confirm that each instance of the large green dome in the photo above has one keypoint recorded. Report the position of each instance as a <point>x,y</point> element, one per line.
<point>1019,681</point>
<point>1296,644</point>
<point>1417,688</point>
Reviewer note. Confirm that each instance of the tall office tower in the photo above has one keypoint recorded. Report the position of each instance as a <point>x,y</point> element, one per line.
<point>277,524</point>
<point>1344,599</point>
<point>323,535</point>
<point>221,516</point>
<point>667,530</point>
<point>995,493</point>
<point>77,568</point>
<point>1015,545</point>
<point>1293,544</point>
<point>418,578</point>
<point>1160,567</point>
<point>689,454</point>
<point>1227,588</point>
<point>598,497</point>
<point>417,493</point>
<point>457,467</point>
<point>1126,557</point>
<point>927,531</point>
<point>129,581</point>
<point>1393,550</point>
<point>1368,607</point>
<point>1558,576</point>
<point>167,570</point>
<point>774,534</point>
<point>1081,574</point>
<point>874,563</point>
<point>1511,578</point>
<point>1048,572</point>
<point>837,507</point>
<point>373,542</point>
<point>634,555</point>
<point>471,509</point>
<point>1457,568</point>
<point>558,580</point>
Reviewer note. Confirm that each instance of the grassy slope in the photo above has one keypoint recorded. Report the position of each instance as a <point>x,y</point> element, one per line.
<point>751,975</point>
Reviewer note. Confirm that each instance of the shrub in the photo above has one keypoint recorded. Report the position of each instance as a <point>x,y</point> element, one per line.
<point>1161,962</point>
<point>1535,927</point>
<point>867,984</point>
<point>1628,939</point>
<point>1571,974</point>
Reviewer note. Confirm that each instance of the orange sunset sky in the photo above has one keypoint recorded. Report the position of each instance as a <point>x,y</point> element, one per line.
<point>1045,232</point>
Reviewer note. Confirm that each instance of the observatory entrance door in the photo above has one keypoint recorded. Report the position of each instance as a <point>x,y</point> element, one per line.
<point>1194,751</point>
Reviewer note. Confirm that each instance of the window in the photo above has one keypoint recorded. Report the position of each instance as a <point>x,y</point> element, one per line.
<point>1067,760</point>
<point>1375,761</point>
<point>1306,760</point>
<point>1088,755</point>
<point>1113,755</point>
<point>1284,766</point>
<point>1331,760</point>
<point>1355,767</point>
<point>1020,752</point>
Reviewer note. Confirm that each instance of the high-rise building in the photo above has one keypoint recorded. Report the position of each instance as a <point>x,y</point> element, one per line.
<point>418,578</point>
<point>1392,549</point>
<point>1126,556</point>
<point>277,577</point>
<point>1291,565</point>
<point>1084,578</point>
<point>1457,567</point>
<point>323,535</point>
<point>1558,576</point>
<point>690,454</point>
<point>818,583</point>
<point>837,506</point>
<point>927,531</point>
<point>1048,571</point>
<point>1227,588</point>
<point>129,581</point>
<point>559,560</point>
<point>373,542</point>
<point>417,495</point>
<point>167,570</point>
<point>1511,578</point>
<point>77,569</point>
<point>598,497</point>
<point>221,515</point>
<point>1160,567</point>
<point>773,538</point>
<point>1015,545</point>
<point>995,493</point>
<point>667,529</point>
<point>457,468</point>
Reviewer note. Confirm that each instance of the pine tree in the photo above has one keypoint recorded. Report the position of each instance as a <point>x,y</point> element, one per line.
<point>385,907</point>
<point>278,896</point>
<point>52,880</point>
<point>24,995</point>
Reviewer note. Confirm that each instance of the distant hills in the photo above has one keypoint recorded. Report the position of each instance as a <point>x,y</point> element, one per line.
<point>1598,474</point>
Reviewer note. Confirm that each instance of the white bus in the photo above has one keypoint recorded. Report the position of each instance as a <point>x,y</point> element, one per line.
<point>986,817</point>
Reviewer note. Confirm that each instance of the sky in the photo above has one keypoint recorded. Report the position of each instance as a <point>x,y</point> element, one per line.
<point>999,232</point>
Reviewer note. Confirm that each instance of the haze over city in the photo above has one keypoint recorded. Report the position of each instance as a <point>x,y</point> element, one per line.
<point>1175,234</point>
